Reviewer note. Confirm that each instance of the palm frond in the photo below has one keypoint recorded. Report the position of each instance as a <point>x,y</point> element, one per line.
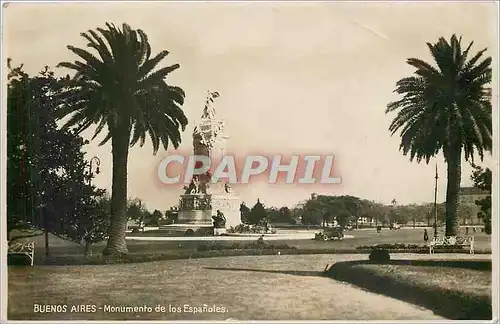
<point>118,87</point>
<point>444,108</point>
<point>150,64</point>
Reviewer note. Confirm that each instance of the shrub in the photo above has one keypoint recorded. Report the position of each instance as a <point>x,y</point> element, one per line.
<point>379,255</point>
<point>241,228</point>
<point>189,232</point>
<point>18,260</point>
<point>396,246</point>
<point>219,246</point>
<point>251,229</point>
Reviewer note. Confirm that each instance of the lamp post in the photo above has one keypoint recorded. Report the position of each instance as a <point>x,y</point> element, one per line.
<point>45,221</point>
<point>393,213</point>
<point>44,218</point>
<point>22,148</point>
<point>97,162</point>
<point>435,203</point>
<point>91,164</point>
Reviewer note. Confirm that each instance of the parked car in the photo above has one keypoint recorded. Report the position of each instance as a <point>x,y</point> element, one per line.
<point>395,226</point>
<point>330,233</point>
<point>135,226</point>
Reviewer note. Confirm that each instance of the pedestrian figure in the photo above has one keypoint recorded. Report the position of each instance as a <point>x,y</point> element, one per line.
<point>467,230</point>
<point>426,236</point>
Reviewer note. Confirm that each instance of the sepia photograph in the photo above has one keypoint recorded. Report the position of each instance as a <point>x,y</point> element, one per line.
<point>249,161</point>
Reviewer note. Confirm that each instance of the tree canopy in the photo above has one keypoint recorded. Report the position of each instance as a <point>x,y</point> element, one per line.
<point>446,107</point>
<point>48,179</point>
<point>482,180</point>
<point>118,86</point>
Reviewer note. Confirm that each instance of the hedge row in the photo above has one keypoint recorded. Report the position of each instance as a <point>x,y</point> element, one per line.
<point>452,304</point>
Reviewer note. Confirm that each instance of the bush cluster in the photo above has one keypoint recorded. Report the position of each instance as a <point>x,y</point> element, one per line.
<point>379,255</point>
<point>396,246</point>
<point>217,246</point>
<point>18,260</point>
<point>250,229</point>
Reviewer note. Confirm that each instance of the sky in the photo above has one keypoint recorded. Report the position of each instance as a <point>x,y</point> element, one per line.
<point>293,78</point>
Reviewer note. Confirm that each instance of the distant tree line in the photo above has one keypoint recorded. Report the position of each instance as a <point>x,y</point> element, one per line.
<point>482,180</point>
<point>357,212</point>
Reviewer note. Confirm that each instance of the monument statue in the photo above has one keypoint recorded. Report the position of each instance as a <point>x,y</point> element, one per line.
<point>200,143</point>
<point>209,111</point>
<point>205,182</point>
<point>207,204</point>
<point>200,184</point>
<point>219,220</point>
<point>208,133</point>
<point>194,186</point>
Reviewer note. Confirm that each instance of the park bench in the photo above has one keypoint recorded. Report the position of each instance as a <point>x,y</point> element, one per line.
<point>23,248</point>
<point>452,241</point>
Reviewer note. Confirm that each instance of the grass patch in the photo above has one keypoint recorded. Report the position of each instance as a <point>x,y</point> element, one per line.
<point>98,259</point>
<point>414,248</point>
<point>192,250</point>
<point>459,290</point>
<point>252,288</point>
<point>67,253</point>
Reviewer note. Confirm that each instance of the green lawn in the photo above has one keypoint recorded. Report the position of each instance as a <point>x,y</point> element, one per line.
<point>468,281</point>
<point>252,287</point>
<point>456,289</point>
<point>249,287</point>
<point>361,237</point>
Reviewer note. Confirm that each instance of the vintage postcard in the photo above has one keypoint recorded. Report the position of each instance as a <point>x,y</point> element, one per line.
<point>246,161</point>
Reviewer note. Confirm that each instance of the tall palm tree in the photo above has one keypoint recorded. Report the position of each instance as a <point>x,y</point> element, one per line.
<point>445,107</point>
<point>121,89</point>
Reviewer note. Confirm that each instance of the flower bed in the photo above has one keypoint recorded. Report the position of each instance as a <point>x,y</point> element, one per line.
<point>396,246</point>
<point>219,246</point>
<point>413,248</point>
<point>251,229</point>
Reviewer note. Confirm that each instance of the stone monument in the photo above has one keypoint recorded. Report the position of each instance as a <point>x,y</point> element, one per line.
<point>203,202</point>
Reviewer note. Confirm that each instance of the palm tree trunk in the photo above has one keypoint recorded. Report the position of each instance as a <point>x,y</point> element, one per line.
<point>116,243</point>
<point>88,249</point>
<point>452,191</point>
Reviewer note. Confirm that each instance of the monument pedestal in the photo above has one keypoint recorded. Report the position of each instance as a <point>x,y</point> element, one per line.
<point>202,198</point>
<point>198,209</point>
<point>229,205</point>
<point>195,209</point>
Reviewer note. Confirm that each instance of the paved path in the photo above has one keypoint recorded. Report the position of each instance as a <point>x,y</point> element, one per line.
<point>250,287</point>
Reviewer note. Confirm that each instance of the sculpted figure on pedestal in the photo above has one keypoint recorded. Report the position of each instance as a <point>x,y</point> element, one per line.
<point>219,220</point>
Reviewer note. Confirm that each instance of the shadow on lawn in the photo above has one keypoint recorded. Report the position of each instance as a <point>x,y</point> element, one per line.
<point>452,304</point>
<point>480,265</point>
<point>288,272</point>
